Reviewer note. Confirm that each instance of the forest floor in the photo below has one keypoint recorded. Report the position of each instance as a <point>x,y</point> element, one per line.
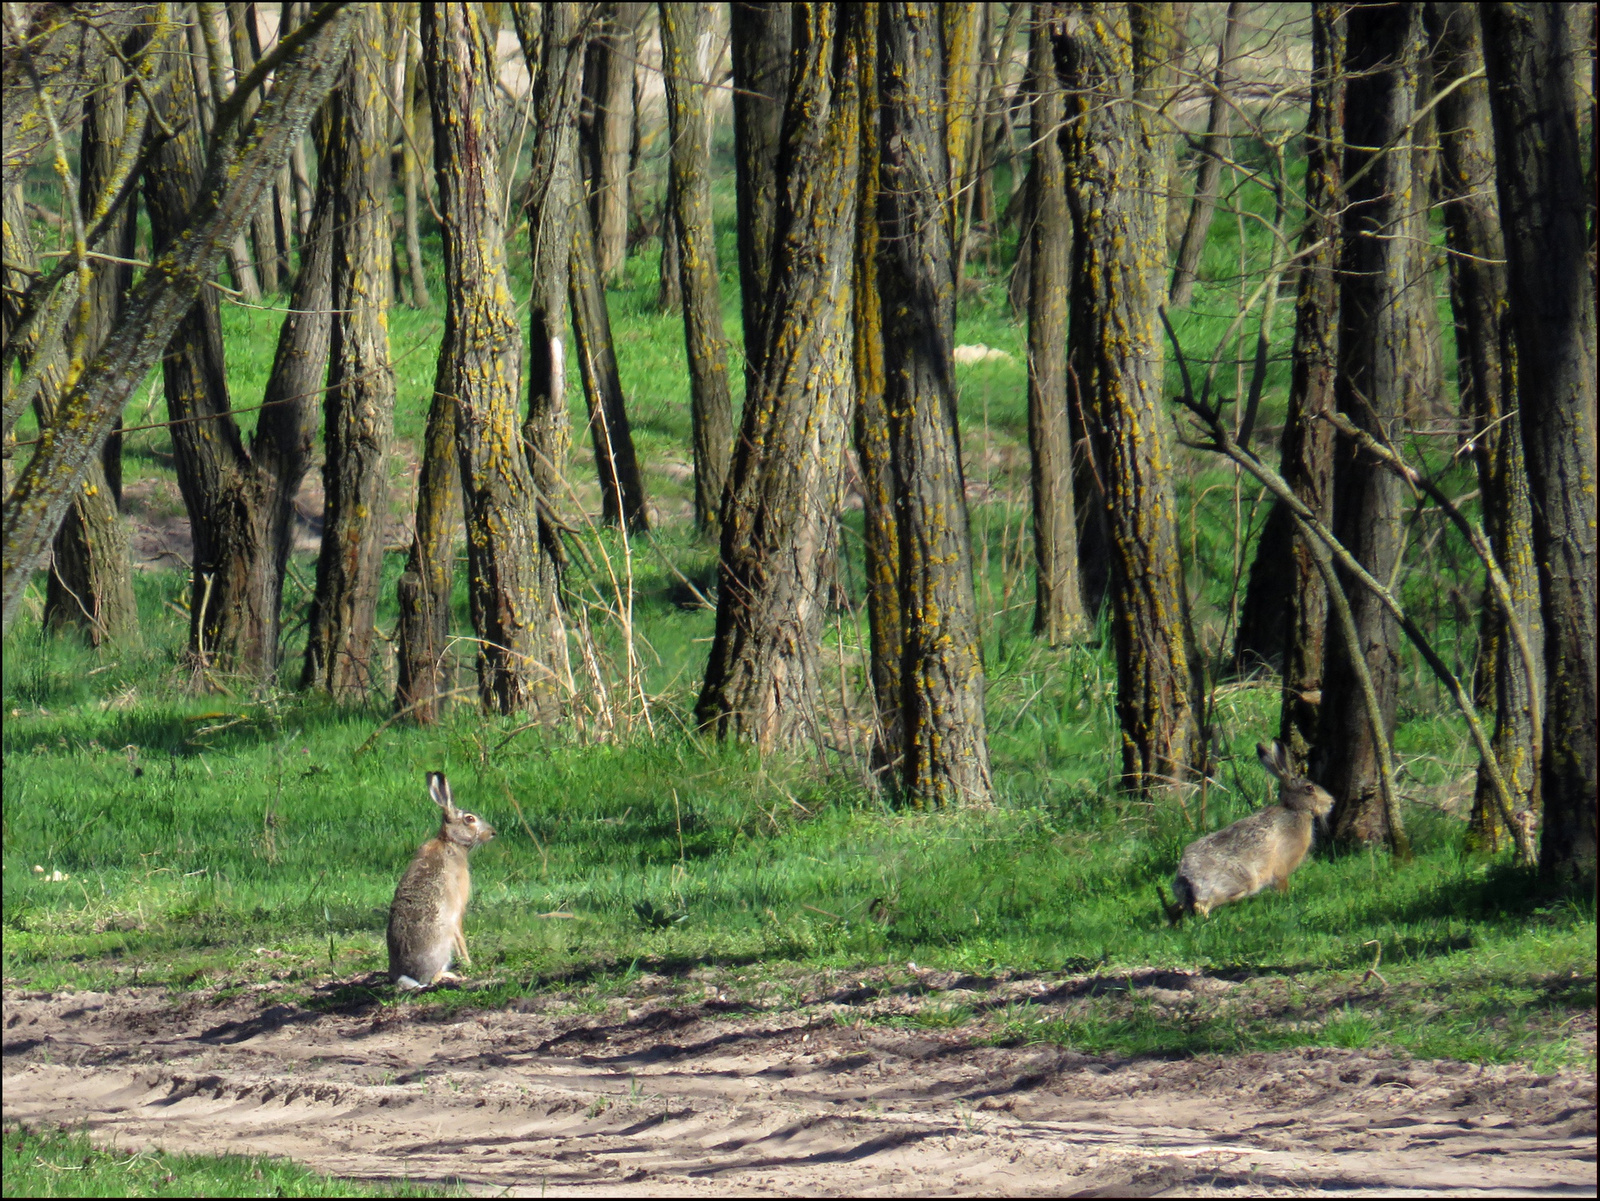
<point>849,1085</point>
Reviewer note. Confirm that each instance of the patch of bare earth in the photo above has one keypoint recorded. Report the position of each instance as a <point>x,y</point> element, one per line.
<point>674,1092</point>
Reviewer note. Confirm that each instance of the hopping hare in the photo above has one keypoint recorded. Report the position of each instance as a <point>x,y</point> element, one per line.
<point>431,899</point>
<point>1242,859</point>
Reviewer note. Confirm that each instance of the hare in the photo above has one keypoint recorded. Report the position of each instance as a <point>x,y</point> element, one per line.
<point>431,898</point>
<point>1242,859</point>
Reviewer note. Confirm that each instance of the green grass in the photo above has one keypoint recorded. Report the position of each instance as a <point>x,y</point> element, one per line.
<point>219,839</point>
<point>47,1162</point>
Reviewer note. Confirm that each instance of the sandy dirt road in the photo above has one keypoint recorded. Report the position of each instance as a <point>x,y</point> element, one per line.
<point>655,1093</point>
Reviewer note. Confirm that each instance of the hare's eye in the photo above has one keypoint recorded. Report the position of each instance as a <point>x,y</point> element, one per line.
<point>471,820</point>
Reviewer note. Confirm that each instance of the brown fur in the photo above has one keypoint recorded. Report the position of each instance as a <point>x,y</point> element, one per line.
<point>431,899</point>
<point>1264,848</point>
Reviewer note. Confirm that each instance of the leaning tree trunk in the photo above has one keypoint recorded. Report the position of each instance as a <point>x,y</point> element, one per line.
<point>360,399</point>
<point>1210,173</point>
<point>89,588</point>
<point>780,515</point>
<point>622,499</point>
<point>1542,205</point>
<point>880,521</point>
<point>66,45</point>
<point>512,600</point>
<point>711,403</point>
<point>759,44</point>
<point>1115,185</point>
<point>946,754</point>
<point>1058,601</point>
<point>244,162</point>
<point>1383,56</point>
<point>1487,373</point>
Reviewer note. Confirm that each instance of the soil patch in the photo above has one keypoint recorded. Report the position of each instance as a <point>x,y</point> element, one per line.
<point>655,1093</point>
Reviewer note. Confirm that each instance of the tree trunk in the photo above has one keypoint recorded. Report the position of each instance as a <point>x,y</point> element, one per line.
<point>213,66</point>
<point>1058,602</point>
<point>245,161</point>
<point>1425,400</point>
<point>1210,173</point>
<point>611,55</point>
<point>621,486</point>
<point>512,599</point>
<point>241,18</point>
<point>423,666</point>
<point>760,50</point>
<point>1306,457</point>
<point>960,39</point>
<point>1376,307</point>
<point>964,184</point>
<point>946,755</point>
<point>65,45</point>
<point>780,518</point>
<point>669,293</point>
<point>1486,372</point>
<point>880,518</point>
<point>710,401</point>
<point>551,189</point>
<point>226,629</point>
<point>1542,206</point>
<point>89,588</point>
<point>413,169</point>
<point>360,398</point>
<point>1115,186</point>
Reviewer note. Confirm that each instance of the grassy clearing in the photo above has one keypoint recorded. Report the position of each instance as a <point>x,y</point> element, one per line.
<point>59,1163</point>
<point>210,841</point>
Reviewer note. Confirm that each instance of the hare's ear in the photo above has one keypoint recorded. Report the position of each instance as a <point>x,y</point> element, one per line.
<point>1274,758</point>
<point>439,790</point>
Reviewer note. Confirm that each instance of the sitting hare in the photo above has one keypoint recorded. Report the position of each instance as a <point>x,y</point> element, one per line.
<point>431,899</point>
<point>1242,859</point>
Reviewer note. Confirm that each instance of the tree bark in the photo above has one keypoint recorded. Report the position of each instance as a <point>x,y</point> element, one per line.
<point>710,400</point>
<point>89,588</point>
<point>551,189</point>
<point>423,666</point>
<point>946,756</point>
<point>780,515</point>
<point>880,517</point>
<point>306,65</point>
<point>213,64</point>
<point>611,57</point>
<point>360,399</point>
<point>413,98</point>
<point>1058,601</point>
<point>512,598</point>
<point>760,36</point>
<point>622,497</point>
<point>1115,184</point>
<point>1376,308</point>
<point>1210,173</point>
<point>960,39</point>
<point>1486,358</point>
<point>240,19</point>
<point>1293,622</point>
<point>1543,205</point>
<point>56,42</point>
